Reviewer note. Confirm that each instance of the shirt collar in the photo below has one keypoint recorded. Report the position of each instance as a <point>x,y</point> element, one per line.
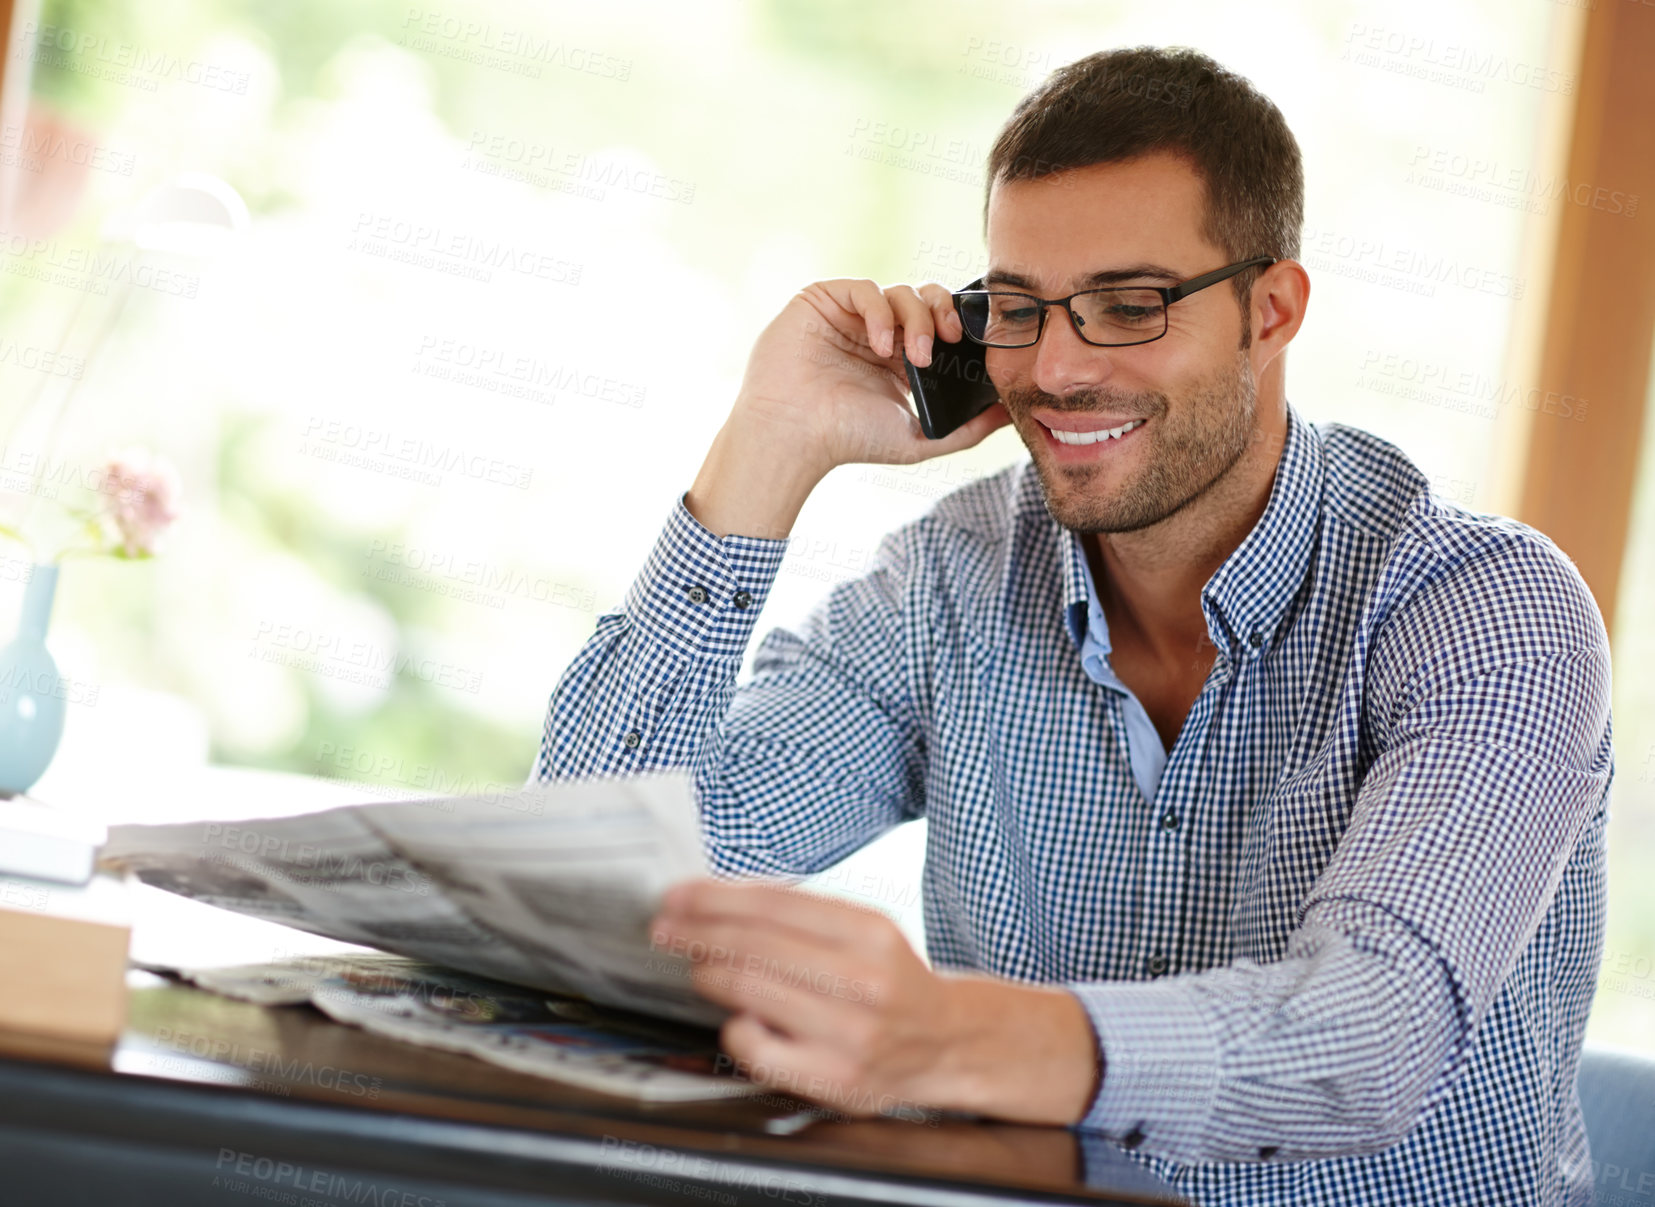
<point>1247,597</point>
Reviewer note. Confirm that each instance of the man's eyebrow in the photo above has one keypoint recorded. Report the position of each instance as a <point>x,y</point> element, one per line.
<point>1108,276</point>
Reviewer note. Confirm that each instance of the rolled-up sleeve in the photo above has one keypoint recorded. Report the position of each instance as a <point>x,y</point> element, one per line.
<point>1491,694</point>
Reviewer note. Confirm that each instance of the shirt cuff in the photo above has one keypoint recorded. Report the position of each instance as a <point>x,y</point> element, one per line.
<point>701,592</point>
<point>1160,1063</point>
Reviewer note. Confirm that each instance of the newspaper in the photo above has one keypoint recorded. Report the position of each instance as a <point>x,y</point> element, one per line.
<point>550,887</point>
<point>560,1038</point>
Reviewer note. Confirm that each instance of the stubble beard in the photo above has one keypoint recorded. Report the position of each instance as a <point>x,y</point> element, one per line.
<point>1180,460</point>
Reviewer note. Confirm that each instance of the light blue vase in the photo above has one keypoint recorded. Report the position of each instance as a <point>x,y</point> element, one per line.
<point>31,695</point>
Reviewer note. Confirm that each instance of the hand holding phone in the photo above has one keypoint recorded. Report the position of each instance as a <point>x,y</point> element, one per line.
<point>824,388</point>
<point>954,387</point>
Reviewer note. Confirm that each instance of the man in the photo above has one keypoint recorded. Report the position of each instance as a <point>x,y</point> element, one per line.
<point>1266,791</point>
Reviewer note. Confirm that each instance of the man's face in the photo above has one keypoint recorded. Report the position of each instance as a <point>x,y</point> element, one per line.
<point>1194,388</point>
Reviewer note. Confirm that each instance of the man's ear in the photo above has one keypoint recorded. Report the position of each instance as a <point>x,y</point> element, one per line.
<point>1278,302</point>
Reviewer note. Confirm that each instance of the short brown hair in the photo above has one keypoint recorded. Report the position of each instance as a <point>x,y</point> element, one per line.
<point>1119,104</point>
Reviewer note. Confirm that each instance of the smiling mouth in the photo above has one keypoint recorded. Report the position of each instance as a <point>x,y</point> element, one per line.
<point>1096,437</point>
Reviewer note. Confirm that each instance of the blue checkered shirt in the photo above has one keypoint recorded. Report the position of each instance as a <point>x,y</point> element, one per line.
<point>1340,948</point>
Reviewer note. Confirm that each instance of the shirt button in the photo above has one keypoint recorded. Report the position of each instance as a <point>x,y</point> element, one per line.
<point>1268,1151</point>
<point>1169,820</point>
<point>1133,1138</point>
<point>1255,639</point>
<point>1157,965</point>
<point>632,738</point>
<point>697,594</point>
<point>742,600</point>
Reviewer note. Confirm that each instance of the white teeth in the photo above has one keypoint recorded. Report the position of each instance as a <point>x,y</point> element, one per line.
<point>1094,437</point>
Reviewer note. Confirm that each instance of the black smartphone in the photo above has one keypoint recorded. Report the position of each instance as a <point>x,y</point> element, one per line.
<point>954,387</point>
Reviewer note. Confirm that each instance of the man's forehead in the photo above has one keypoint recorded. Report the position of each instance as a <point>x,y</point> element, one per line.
<point>1139,219</point>
<point>1085,275</point>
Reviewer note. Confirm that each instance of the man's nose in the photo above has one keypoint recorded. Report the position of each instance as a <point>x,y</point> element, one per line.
<point>1063,361</point>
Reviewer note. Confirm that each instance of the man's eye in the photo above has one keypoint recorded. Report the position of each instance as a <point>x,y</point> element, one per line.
<point>1133,314</point>
<point>1018,314</point>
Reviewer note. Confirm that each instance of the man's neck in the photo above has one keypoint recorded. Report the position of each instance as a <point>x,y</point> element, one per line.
<point>1149,581</point>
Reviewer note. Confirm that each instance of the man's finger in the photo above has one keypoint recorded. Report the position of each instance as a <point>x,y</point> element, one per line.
<point>796,1011</point>
<point>801,998</point>
<point>837,921</point>
<point>807,1069</point>
<point>757,954</point>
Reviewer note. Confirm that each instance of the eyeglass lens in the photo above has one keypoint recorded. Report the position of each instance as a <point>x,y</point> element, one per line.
<point>1104,316</point>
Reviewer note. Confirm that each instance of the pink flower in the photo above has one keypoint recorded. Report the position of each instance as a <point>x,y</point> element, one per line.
<point>143,490</point>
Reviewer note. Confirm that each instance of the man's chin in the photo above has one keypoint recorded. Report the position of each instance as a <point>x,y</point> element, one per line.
<point>1075,505</point>
<point>1075,510</point>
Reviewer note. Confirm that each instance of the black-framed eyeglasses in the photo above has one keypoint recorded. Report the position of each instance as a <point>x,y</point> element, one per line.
<point>1108,318</point>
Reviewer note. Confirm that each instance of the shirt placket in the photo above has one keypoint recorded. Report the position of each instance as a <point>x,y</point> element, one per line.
<point>1178,795</point>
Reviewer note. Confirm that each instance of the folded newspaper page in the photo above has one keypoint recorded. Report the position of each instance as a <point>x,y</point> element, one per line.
<point>523,1029</point>
<point>550,887</point>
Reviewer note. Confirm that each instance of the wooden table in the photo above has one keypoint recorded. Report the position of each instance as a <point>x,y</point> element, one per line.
<point>208,1100</point>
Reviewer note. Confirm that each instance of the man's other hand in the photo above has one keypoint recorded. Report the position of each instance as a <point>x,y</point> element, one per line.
<point>831,1003</point>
